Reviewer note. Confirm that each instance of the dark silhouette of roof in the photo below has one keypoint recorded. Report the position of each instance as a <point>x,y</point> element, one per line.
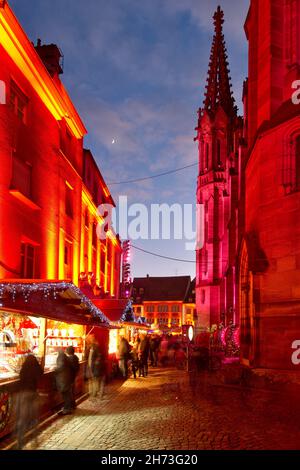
<point>190,297</point>
<point>160,288</point>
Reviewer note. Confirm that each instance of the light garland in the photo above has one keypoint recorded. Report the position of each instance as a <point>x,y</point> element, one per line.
<point>52,288</point>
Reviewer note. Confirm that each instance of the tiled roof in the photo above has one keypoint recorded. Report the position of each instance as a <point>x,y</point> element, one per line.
<point>160,288</point>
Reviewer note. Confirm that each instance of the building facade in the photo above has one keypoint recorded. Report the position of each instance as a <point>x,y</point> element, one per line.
<point>248,270</point>
<point>269,258</point>
<point>165,302</point>
<point>49,185</point>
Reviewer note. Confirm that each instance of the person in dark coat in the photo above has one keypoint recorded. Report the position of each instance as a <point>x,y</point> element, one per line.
<point>28,399</point>
<point>74,361</point>
<point>124,352</point>
<point>134,357</point>
<point>154,347</point>
<point>64,377</point>
<point>144,349</point>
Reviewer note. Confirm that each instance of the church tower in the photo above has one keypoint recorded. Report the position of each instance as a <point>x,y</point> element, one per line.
<point>217,190</point>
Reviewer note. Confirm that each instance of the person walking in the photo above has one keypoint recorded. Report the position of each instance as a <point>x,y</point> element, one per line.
<point>134,357</point>
<point>124,351</point>
<point>28,399</point>
<point>74,361</point>
<point>64,380</point>
<point>144,349</point>
<point>95,370</point>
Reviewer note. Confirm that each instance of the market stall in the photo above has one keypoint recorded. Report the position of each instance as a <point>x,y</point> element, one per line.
<point>42,318</point>
<point>120,314</point>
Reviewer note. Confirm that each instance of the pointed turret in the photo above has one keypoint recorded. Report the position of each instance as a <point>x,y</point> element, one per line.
<point>218,89</point>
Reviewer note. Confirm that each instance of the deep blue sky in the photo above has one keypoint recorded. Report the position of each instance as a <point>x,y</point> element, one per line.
<point>136,71</point>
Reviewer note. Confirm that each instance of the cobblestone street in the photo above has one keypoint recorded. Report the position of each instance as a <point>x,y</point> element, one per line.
<point>165,411</point>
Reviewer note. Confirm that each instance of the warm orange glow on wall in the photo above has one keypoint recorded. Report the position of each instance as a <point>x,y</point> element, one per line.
<point>51,257</point>
<point>61,257</point>
<point>23,54</point>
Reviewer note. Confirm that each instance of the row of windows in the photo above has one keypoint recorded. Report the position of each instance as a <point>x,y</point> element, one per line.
<point>163,308</point>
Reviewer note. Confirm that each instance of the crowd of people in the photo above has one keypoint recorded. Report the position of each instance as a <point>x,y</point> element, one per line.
<point>134,360</point>
<point>135,357</point>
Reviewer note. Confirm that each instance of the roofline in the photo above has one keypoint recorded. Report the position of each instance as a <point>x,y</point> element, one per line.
<point>22,52</point>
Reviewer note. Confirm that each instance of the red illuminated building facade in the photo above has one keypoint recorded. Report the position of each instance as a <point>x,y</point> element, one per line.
<point>249,268</point>
<point>50,186</point>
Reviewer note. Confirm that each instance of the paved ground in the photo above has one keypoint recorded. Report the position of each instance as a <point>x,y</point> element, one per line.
<point>166,411</point>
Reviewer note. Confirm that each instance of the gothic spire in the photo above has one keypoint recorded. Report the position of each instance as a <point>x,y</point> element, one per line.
<point>218,88</point>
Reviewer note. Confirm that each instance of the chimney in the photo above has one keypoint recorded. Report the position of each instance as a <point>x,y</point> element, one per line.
<point>51,56</point>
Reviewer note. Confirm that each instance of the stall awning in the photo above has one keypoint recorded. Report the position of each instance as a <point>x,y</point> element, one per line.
<point>56,300</point>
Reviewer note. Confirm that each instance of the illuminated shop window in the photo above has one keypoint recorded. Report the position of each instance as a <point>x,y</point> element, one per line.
<point>28,254</point>
<point>21,176</point>
<point>19,335</point>
<point>18,102</point>
<point>60,335</point>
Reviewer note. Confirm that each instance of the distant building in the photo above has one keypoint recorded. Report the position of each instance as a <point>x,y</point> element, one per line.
<point>166,302</point>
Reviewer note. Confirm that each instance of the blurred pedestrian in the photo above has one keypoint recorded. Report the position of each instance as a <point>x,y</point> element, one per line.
<point>143,353</point>
<point>154,347</point>
<point>74,361</point>
<point>124,352</point>
<point>64,380</point>
<point>163,352</point>
<point>95,371</point>
<point>134,357</point>
<point>28,399</point>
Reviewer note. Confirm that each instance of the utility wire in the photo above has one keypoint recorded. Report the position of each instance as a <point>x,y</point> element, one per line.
<point>161,256</point>
<point>210,262</point>
<point>153,176</point>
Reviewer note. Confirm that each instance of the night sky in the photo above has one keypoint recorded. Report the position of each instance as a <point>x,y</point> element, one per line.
<point>136,71</point>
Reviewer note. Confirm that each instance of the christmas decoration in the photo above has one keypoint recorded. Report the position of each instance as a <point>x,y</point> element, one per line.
<point>48,290</point>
